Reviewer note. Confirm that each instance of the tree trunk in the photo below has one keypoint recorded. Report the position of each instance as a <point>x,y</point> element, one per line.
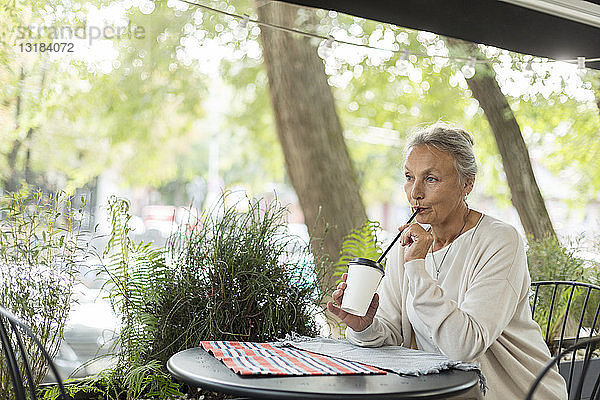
<point>13,177</point>
<point>28,173</point>
<point>310,132</point>
<point>526,196</point>
<point>594,77</point>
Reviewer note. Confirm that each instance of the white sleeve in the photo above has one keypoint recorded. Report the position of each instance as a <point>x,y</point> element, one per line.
<point>465,332</point>
<point>386,328</point>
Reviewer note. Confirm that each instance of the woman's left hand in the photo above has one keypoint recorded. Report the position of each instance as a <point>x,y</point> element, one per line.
<point>416,241</point>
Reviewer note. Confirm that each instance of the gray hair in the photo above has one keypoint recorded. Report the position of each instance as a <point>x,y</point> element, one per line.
<point>450,139</point>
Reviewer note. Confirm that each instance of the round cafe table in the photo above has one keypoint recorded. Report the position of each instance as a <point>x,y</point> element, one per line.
<point>198,368</point>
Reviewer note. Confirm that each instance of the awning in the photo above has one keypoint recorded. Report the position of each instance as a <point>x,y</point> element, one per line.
<point>556,29</point>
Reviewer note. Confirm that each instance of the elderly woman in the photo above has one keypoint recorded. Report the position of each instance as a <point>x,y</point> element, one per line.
<point>459,287</point>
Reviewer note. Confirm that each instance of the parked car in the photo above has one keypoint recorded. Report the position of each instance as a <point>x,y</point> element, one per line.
<point>159,221</point>
<point>89,334</point>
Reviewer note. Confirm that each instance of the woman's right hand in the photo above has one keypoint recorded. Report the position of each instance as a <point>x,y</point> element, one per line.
<point>353,321</point>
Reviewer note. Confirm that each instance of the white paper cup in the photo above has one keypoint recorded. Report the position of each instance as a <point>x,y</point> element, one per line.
<point>363,278</point>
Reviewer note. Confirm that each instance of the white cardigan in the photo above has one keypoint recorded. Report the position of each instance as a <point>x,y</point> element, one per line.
<point>478,310</point>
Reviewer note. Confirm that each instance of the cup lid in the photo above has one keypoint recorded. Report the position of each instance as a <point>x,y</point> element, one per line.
<point>368,262</point>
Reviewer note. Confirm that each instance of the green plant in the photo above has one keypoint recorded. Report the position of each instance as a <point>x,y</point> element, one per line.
<point>594,268</point>
<point>145,381</point>
<point>235,276</point>
<point>238,276</point>
<point>136,275</point>
<point>134,271</point>
<point>361,242</point>
<point>71,389</point>
<point>548,259</point>
<point>40,247</point>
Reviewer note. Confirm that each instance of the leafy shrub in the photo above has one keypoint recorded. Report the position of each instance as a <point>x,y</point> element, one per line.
<point>594,270</point>
<point>40,247</point>
<point>239,276</point>
<point>549,260</point>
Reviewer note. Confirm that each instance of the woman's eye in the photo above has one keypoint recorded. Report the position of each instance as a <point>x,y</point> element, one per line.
<point>408,177</point>
<point>430,179</point>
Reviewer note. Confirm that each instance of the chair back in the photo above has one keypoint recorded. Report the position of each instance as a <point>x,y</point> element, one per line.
<point>569,314</point>
<point>586,374</point>
<point>17,360</point>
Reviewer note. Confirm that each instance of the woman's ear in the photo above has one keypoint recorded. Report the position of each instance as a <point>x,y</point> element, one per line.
<point>468,186</point>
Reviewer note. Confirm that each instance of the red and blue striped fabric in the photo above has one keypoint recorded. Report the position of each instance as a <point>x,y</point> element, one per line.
<point>248,358</point>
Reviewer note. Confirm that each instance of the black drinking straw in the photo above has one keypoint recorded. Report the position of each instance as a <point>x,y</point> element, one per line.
<point>398,235</point>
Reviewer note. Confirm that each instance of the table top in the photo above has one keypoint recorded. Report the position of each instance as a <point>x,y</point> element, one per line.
<point>198,368</point>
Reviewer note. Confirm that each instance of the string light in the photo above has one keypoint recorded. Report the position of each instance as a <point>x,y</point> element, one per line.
<point>241,31</point>
<point>325,49</point>
<point>330,42</point>
<point>468,70</point>
<point>403,64</point>
<point>245,20</point>
<point>529,69</point>
<point>581,67</point>
<point>404,55</point>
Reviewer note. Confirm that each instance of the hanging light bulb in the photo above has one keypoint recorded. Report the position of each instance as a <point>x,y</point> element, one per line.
<point>402,65</point>
<point>241,31</point>
<point>468,70</point>
<point>326,48</point>
<point>529,69</point>
<point>581,66</point>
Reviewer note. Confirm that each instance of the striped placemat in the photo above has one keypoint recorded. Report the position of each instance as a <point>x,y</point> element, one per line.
<point>249,358</point>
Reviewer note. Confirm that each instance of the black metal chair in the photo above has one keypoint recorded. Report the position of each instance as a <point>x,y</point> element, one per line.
<point>16,358</point>
<point>568,313</point>
<point>594,377</point>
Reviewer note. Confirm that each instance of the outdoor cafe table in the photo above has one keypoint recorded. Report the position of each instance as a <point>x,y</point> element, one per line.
<point>198,368</point>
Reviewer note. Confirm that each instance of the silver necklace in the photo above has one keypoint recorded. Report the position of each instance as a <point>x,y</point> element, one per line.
<point>437,269</point>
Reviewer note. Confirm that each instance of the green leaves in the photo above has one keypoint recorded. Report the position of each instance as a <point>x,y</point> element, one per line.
<point>239,276</point>
<point>137,275</point>
<point>548,259</point>
<point>40,247</point>
<point>150,380</point>
<point>361,242</point>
